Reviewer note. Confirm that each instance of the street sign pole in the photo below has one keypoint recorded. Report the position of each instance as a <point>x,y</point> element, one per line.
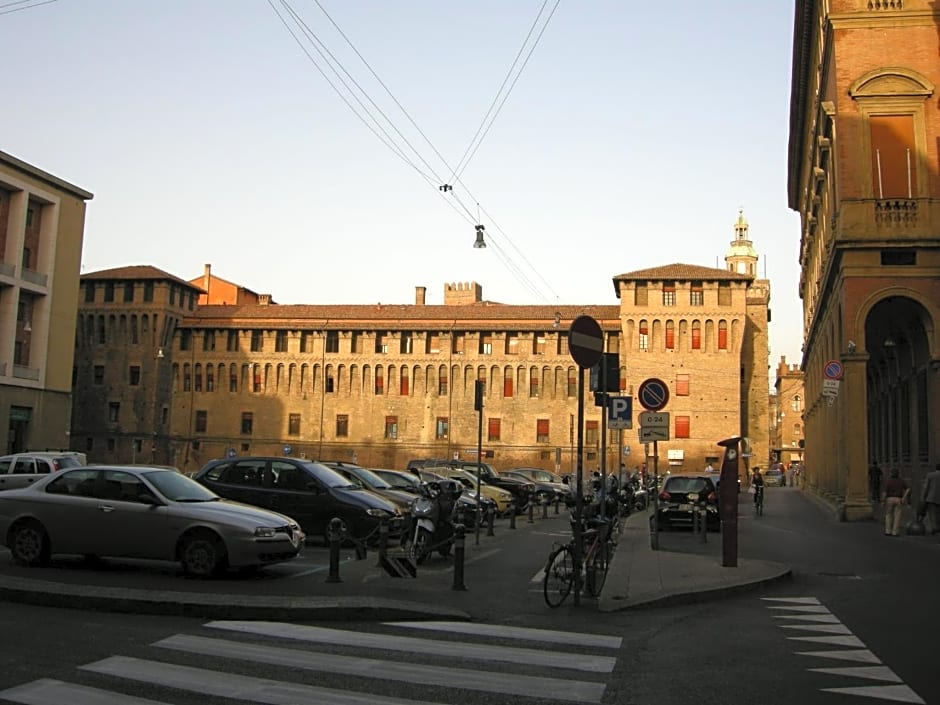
<point>579,494</point>
<point>654,533</point>
<point>606,399</point>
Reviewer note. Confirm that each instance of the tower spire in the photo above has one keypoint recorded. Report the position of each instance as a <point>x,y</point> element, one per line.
<point>741,256</point>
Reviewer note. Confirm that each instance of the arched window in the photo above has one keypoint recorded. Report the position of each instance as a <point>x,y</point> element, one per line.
<point>722,335</point>
<point>797,403</point>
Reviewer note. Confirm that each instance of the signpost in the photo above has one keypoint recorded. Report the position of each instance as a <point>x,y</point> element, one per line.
<point>620,413</point>
<point>654,395</point>
<point>832,372</point>
<point>586,344</point>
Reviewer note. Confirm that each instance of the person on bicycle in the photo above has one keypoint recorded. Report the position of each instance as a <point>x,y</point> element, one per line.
<point>757,482</point>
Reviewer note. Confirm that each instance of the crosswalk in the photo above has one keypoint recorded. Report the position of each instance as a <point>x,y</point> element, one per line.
<point>810,624</point>
<point>301,665</point>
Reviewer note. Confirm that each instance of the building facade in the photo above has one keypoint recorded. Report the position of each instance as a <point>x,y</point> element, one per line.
<point>864,174</point>
<point>165,379</point>
<point>786,417</point>
<point>42,222</point>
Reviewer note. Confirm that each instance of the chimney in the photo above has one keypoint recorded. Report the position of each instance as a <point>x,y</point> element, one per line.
<point>264,299</point>
<point>206,278</point>
<point>420,292</point>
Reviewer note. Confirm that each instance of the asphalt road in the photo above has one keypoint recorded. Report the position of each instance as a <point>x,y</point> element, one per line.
<point>853,590</point>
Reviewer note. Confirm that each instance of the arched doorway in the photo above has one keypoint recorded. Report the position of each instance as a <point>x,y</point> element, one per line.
<point>901,386</point>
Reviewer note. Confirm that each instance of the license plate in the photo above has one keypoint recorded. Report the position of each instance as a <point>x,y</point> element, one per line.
<point>685,507</point>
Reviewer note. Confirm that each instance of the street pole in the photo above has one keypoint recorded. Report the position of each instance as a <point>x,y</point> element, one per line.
<point>579,493</point>
<point>654,535</point>
<point>478,405</point>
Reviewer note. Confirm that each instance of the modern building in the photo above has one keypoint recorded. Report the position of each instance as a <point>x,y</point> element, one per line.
<point>162,377</point>
<point>786,418</point>
<point>42,222</point>
<point>864,175</point>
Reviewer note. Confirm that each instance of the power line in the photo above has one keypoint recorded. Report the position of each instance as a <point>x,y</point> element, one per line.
<point>21,2</point>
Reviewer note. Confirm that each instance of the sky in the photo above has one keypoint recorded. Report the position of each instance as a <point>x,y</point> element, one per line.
<point>590,138</point>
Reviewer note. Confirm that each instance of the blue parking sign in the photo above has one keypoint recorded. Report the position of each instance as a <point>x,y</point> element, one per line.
<point>619,413</point>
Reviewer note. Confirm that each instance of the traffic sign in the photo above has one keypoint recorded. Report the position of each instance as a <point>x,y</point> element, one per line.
<point>833,370</point>
<point>830,387</point>
<point>648,435</point>
<point>655,419</point>
<point>586,341</point>
<point>620,413</point>
<point>653,394</point>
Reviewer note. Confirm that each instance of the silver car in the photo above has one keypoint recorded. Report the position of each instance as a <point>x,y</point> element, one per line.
<point>141,512</point>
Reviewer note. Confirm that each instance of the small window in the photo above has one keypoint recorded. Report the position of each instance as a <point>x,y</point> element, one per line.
<point>644,335</point>
<point>248,421</point>
<point>134,377</point>
<point>591,434</point>
<point>332,341</point>
<point>722,335</point>
<point>403,386</point>
<point>534,383</point>
<point>507,384</point>
<point>342,425</point>
<point>486,344</point>
<point>406,342</point>
<point>724,294</point>
<point>148,291</point>
<point>208,340</point>
<point>379,382</point>
<point>128,292</point>
<point>109,292</point>
<point>114,411</point>
<point>512,343</point>
<point>391,427</point>
<point>89,292</point>
<point>186,340</point>
<point>99,374</point>
<point>670,335</point>
<point>280,341</point>
<point>669,294</point>
<point>696,296</point>
<point>682,385</point>
<point>293,425</point>
<point>541,430</point>
<point>696,335</point>
<point>381,343</point>
<point>492,429</point>
<point>442,382</point>
<point>641,295</point>
<point>202,420</point>
<point>257,341</point>
<point>442,428</point>
<point>231,344</point>
<point>682,426</point>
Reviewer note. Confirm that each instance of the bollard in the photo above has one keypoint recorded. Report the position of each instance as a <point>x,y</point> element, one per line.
<point>545,508</point>
<point>512,515</point>
<point>383,540</point>
<point>335,533</point>
<point>490,518</point>
<point>531,510</point>
<point>704,526</point>
<point>557,502</point>
<point>458,557</point>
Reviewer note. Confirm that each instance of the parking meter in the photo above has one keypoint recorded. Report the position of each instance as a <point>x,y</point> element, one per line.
<point>728,501</point>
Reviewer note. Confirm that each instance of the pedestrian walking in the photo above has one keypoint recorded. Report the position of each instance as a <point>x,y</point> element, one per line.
<point>930,497</point>
<point>874,482</point>
<point>895,495</point>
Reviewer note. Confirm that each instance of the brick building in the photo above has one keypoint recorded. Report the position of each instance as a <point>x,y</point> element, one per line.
<point>42,222</point>
<point>164,379</point>
<point>864,174</point>
<point>786,418</point>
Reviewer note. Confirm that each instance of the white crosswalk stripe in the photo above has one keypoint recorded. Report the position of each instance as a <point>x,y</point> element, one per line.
<point>808,614</point>
<point>573,672</point>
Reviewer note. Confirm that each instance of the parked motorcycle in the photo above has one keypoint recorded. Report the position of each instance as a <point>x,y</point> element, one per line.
<point>641,495</point>
<point>431,524</point>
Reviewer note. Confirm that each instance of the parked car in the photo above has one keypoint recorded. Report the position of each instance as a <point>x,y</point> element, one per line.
<point>774,477</point>
<point>400,480</point>
<point>548,487</point>
<point>521,490</point>
<point>309,491</point>
<point>368,480</point>
<point>141,512</point>
<point>40,462</point>
<point>499,497</point>
<point>678,497</point>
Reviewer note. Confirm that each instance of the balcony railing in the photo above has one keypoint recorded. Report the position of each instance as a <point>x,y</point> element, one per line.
<point>900,211</point>
<point>7,269</point>
<point>35,277</point>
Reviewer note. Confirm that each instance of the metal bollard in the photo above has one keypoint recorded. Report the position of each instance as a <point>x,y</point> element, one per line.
<point>383,540</point>
<point>490,518</point>
<point>512,515</point>
<point>531,510</point>
<point>545,508</point>
<point>335,532</point>
<point>557,502</point>
<point>458,557</point>
<point>704,524</point>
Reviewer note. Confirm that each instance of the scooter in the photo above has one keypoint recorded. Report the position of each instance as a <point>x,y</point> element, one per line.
<point>431,526</point>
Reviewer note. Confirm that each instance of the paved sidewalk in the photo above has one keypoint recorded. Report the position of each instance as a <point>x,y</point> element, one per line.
<point>641,577</point>
<point>683,570</point>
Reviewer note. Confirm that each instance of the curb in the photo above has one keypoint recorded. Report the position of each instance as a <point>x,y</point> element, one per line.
<point>215,606</point>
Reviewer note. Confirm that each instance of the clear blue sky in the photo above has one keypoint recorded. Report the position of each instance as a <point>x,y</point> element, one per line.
<point>629,140</point>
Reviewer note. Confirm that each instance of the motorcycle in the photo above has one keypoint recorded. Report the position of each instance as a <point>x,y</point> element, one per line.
<point>641,496</point>
<point>431,523</point>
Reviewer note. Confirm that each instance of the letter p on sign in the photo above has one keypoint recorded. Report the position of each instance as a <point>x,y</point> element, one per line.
<point>620,413</point>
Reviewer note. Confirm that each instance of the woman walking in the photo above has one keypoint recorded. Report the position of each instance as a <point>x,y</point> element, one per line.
<point>895,495</point>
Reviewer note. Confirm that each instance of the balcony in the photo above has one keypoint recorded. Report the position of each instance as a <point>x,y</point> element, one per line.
<point>6,269</point>
<point>896,211</point>
<point>23,372</point>
<point>35,278</point>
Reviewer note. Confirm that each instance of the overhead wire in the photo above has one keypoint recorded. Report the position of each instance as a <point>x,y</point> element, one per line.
<point>4,11</point>
<point>389,141</point>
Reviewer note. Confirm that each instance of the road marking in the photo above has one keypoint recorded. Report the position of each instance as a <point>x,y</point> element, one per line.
<point>389,642</point>
<point>48,691</point>
<point>528,633</point>
<point>403,671</point>
<point>898,693</point>
<point>230,685</point>
<point>816,618</point>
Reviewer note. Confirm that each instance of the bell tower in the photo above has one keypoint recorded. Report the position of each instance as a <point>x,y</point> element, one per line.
<point>741,256</point>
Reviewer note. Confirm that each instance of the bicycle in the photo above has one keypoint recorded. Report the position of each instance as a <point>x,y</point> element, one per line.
<point>758,500</point>
<point>560,568</point>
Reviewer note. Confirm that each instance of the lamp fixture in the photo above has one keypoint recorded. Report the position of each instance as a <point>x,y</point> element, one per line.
<point>480,243</point>
<point>851,347</point>
<point>557,322</point>
<point>28,328</point>
<point>160,354</point>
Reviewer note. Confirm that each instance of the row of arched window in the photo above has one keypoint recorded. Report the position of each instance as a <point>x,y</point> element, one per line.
<point>683,335</point>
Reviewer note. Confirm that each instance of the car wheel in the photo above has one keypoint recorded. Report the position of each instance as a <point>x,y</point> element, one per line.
<point>202,554</point>
<point>29,544</point>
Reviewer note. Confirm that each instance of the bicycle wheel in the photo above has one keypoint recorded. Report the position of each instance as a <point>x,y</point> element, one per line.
<point>596,574</point>
<point>559,575</point>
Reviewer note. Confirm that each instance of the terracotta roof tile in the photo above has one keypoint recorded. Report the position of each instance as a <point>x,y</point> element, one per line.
<point>137,271</point>
<point>682,272</point>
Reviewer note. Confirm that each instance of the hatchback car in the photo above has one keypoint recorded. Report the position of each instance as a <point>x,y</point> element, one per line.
<point>40,462</point>
<point>680,494</point>
<point>141,512</point>
<point>548,487</point>
<point>309,491</point>
<point>369,480</point>
<point>774,477</point>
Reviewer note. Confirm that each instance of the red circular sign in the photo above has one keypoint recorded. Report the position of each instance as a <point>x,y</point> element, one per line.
<point>653,394</point>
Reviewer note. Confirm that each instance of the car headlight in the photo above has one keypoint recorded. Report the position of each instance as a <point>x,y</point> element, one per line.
<point>372,512</point>
<point>265,532</point>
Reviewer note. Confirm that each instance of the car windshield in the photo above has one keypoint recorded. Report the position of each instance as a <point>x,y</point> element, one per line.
<point>68,461</point>
<point>179,488</point>
<point>370,478</point>
<point>328,476</point>
<point>685,484</point>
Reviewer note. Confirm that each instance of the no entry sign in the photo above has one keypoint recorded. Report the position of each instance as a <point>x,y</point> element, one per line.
<point>586,341</point>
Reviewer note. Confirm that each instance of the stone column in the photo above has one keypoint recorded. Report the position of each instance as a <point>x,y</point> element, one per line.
<point>854,431</point>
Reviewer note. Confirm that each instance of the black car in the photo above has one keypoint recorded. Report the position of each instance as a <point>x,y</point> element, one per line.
<point>522,490</point>
<point>548,487</point>
<point>680,494</point>
<point>310,492</point>
<point>368,480</point>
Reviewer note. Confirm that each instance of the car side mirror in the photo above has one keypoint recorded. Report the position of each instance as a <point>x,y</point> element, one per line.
<point>145,498</point>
